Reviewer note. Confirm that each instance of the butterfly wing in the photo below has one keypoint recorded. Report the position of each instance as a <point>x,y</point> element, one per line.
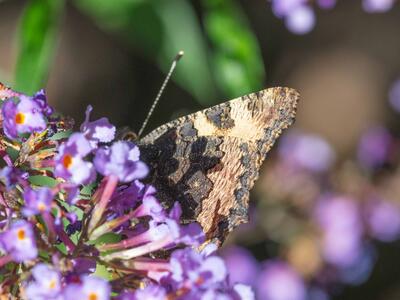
<point>6,92</point>
<point>209,160</point>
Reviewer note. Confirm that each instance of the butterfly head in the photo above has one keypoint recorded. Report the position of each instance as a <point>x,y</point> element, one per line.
<point>126,134</point>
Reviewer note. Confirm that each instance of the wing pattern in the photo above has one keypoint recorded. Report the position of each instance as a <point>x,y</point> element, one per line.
<point>209,160</point>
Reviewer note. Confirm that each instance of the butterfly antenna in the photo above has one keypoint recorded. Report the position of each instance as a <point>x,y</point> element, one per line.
<point>171,70</point>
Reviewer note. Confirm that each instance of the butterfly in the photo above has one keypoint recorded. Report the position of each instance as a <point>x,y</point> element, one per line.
<point>209,160</point>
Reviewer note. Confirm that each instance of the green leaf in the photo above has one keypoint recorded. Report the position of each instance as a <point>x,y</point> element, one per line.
<point>13,153</point>
<point>41,180</point>
<point>61,135</point>
<point>36,42</point>
<point>237,62</point>
<point>101,271</point>
<point>160,29</point>
<point>87,190</point>
<point>62,248</point>
<point>107,238</point>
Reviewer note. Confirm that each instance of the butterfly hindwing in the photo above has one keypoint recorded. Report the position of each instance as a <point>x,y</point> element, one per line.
<point>6,92</point>
<point>209,160</point>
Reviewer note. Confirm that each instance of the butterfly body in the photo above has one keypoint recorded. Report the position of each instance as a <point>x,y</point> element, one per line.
<point>209,160</point>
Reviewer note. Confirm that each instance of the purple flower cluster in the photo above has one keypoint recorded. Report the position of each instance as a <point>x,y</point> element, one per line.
<point>306,151</point>
<point>342,237</point>
<point>79,223</point>
<point>299,15</point>
<point>194,275</point>
<point>378,5</point>
<point>272,280</point>
<point>336,213</point>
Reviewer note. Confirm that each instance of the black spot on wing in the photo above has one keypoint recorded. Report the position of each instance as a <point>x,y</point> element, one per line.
<point>220,116</point>
<point>179,167</point>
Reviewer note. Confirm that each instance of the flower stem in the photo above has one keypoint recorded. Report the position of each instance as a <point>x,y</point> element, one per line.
<point>110,225</point>
<point>5,260</point>
<point>100,207</point>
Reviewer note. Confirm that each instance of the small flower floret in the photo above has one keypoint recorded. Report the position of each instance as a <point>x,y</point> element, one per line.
<point>22,117</point>
<point>99,131</point>
<point>37,201</point>
<point>121,160</point>
<point>90,288</point>
<point>46,283</point>
<point>19,241</point>
<point>70,162</point>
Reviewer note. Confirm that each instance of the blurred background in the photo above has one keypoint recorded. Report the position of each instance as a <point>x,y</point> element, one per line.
<point>325,213</point>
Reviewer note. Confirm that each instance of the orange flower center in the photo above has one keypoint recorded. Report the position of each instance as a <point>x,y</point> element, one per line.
<point>20,118</point>
<point>52,284</point>
<point>92,296</point>
<point>67,161</point>
<point>21,234</point>
<point>41,206</point>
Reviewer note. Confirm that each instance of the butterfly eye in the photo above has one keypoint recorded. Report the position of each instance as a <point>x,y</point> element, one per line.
<point>126,134</point>
<point>130,136</point>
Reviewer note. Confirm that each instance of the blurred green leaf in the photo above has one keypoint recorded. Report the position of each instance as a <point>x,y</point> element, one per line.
<point>36,43</point>
<point>87,190</point>
<point>13,153</point>
<point>62,248</point>
<point>41,180</point>
<point>107,238</point>
<point>61,135</point>
<point>102,272</point>
<point>237,61</point>
<point>160,29</point>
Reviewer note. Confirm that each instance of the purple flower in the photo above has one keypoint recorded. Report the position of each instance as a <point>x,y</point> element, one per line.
<point>10,176</point>
<point>40,99</point>
<point>91,288</point>
<point>374,6</point>
<point>361,269</point>
<point>99,131</point>
<point>383,219</point>
<point>326,4</point>
<point>19,241</point>
<point>72,193</point>
<point>307,151</point>
<point>301,20</point>
<point>282,8</point>
<point>243,292</point>
<point>83,265</point>
<point>150,292</point>
<point>394,95</point>
<point>151,206</point>
<point>24,117</point>
<point>120,160</point>
<point>37,201</point>
<point>157,237</point>
<point>341,244</point>
<point>46,283</point>
<point>192,270</point>
<point>197,275</point>
<point>126,197</point>
<point>374,147</point>
<point>70,163</point>
<point>242,266</point>
<point>278,281</point>
<point>299,17</point>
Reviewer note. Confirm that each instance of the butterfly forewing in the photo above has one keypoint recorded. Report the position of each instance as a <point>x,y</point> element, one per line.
<point>209,160</point>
